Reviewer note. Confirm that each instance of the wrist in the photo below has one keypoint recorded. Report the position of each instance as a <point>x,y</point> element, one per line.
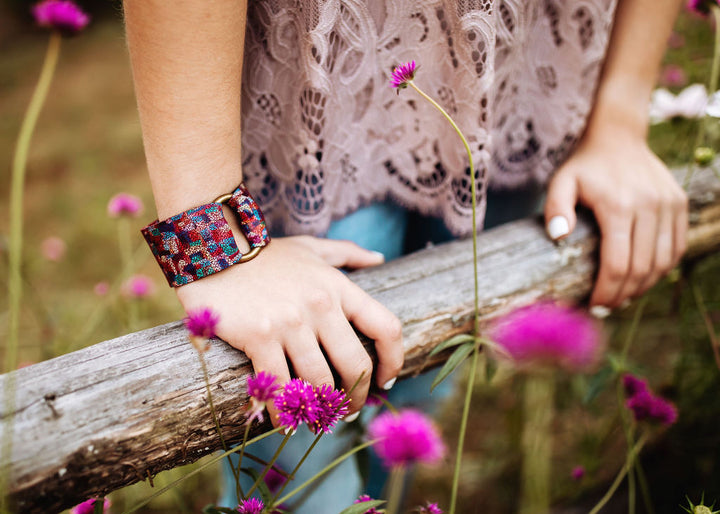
<point>621,109</point>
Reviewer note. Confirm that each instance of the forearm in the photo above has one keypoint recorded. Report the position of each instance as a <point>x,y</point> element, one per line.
<point>186,58</point>
<point>636,48</point>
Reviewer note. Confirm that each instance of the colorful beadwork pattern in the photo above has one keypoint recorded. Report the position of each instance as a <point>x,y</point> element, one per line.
<point>198,242</point>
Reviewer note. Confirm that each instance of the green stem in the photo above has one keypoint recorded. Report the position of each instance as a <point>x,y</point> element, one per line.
<point>714,343</point>
<point>17,186</point>
<point>295,470</point>
<point>397,482</point>
<point>272,461</point>
<point>200,469</point>
<point>327,468</point>
<point>476,297</point>
<point>618,479</point>
<point>238,488</point>
<point>644,489</point>
<point>537,442</point>
<point>637,316</point>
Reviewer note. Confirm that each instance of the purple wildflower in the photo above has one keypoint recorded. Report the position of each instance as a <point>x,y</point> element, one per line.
<point>645,405</point>
<point>62,15</point>
<point>701,7</point>
<point>365,498</point>
<point>202,322</point>
<point>402,75</point>
<point>138,287</point>
<point>549,334</point>
<point>297,404</point>
<point>430,508</point>
<point>673,76</point>
<point>633,385</point>
<point>375,399</point>
<point>88,506</point>
<point>251,506</point>
<point>577,473</point>
<point>124,204</point>
<point>333,407</point>
<point>405,438</point>
<point>273,479</point>
<point>261,389</point>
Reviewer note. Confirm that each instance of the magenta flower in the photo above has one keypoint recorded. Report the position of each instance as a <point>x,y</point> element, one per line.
<point>251,506</point>
<point>430,508</point>
<point>297,404</point>
<point>138,287</point>
<point>124,204</point>
<point>53,248</point>
<point>88,506</point>
<point>549,334</point>
<point>261,390</point>
<point>673,75</point>
<point>273,479</point>
<point>405,438</point>
<point>645,405</point>
<point>633,385</point>
<point>402,75</point>
<point>701,7</point>
<point>101,288</point>
<point>62,15</point>
<point>333,407</point>
<point>202,322</point>
<point>375,399</point>
<point>577,473</point>
<point>365,498</point>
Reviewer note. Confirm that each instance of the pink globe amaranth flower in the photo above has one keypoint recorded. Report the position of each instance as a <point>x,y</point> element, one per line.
<point>577,473</point>
<point>548,334</point>
<point>101,288</point>
<point>261,390</point>
<point>251,506</point>
<point>405,438</point>
<point>88,506</point>
<point>646,406</point>
<point>62,15</point>
<point>297,403</point>
<point>365,498</point>
<point>273,480</point>
<point>333,406</point>
<point>53,248</point>
<point>124,204</point>
<point>403,74</point>
<point>673,75</point>
<point>430,508</point>
<point>375,399</point>
<point>138,287</point>
<point>633,385</point>
<point>202,322</point>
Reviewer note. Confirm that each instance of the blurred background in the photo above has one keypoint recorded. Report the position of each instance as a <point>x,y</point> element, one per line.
<point>87,147</point>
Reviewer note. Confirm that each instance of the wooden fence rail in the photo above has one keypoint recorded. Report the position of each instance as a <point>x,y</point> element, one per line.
<point>123,410</point>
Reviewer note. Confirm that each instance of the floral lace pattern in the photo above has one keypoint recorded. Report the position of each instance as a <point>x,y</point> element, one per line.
<point>323,133</point>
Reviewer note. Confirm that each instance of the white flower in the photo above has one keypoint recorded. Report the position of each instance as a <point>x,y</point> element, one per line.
<point>691,102</point>
<point>713,105</point>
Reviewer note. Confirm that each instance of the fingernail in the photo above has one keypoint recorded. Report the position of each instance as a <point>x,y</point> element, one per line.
<point>352,417</point>
<point>557,227</point>
<point>388,385</point>
<point>379,255</point>
<point>600,311</point>
<point>290,431</point>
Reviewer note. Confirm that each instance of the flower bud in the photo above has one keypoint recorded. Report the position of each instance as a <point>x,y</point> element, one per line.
<point>704,155</point>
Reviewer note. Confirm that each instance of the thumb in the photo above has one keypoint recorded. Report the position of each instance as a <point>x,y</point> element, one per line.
<point>346,254</point>
<point>560,218</point>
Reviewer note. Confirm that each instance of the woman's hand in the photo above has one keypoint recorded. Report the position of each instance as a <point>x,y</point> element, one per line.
<point>640,208</point>
<point>290,304</point>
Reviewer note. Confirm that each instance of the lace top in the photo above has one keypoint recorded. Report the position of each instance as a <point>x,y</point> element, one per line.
<point>323,132</point>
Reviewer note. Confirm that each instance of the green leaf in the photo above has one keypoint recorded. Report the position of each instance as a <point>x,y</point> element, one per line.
<point>459,355</point>
<point>99,506</point>
<point>262,487</point>
<point>597,383</point>
<point>491,368</point>
<point>361,508</point>
<point>453,341</point>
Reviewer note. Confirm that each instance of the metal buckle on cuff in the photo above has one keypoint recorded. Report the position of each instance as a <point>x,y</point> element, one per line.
<point>254,251</point>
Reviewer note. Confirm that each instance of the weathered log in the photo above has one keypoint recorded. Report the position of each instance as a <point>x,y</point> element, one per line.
<point>117,412</point>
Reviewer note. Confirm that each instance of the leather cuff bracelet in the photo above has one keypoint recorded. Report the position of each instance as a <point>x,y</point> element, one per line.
<point>198,242</point>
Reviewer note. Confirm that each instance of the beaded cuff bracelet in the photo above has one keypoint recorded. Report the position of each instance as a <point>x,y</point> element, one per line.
<point>198,242</point>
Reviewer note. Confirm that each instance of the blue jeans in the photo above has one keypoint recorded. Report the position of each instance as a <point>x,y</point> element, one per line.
<point>393,231</point>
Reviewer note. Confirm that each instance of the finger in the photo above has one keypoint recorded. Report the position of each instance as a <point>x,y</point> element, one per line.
<point>664,253</point>
<point>681,227</point>
<point>642,260</point>
<point>560,218</point>
<point>346,254</point>
<point>270,358</point>
<point>375,321</point>
<point>614,258</point>
<point>348,356</point>
<point>307,359</point>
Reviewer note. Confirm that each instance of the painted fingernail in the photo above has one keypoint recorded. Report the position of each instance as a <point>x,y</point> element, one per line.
<point>600,311</point>
<point>557,227</point>
<point>352,417</point>
<point>379,255</point>
<point>290,431</point>
<point>388,385</point>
